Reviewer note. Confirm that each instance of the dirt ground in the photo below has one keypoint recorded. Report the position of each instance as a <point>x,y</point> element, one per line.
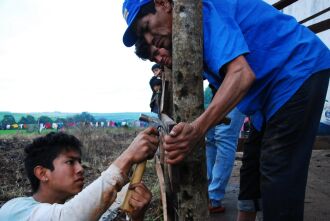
<point>317,192</point>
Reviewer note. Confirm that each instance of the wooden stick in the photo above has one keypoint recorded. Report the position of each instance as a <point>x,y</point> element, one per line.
<point>136,178</point>
<point>161,179</point>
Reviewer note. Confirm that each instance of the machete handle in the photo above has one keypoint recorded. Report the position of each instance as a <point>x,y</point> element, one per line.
<point>136,178</point>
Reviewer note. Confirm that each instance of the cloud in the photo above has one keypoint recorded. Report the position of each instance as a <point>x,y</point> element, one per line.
<point>69,55</point>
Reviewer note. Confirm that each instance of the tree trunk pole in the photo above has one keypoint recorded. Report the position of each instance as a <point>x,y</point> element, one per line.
<point>188,103</point>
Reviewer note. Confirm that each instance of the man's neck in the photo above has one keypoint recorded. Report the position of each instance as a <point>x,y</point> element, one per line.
<point>48,196</point>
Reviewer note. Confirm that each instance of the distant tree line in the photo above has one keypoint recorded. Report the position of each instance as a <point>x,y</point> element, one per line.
<point>29,119</point>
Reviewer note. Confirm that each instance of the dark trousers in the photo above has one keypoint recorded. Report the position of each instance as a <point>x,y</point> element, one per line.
<point>276,159</point>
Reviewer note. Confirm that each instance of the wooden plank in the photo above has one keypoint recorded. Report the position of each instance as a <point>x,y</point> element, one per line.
<point>320,26</point>
<point>315,15</point>
<point>161,180</point>
<point>283,3</point>
<point>166,105</point>
<point>317,27</point>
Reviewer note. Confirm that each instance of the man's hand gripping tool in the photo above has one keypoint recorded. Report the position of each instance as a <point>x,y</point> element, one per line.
<point>139,169</point>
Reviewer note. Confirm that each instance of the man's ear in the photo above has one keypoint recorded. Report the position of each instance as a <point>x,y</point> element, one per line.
<point>41,173</point>
<point>165,4</point>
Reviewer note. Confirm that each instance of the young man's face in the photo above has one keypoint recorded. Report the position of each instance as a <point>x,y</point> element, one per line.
<point>160,56</point>
<point>67,178</point>
<point>157,72</point>
<point>157,28</point>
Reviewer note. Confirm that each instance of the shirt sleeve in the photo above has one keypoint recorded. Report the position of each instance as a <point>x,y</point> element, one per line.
<point>89,204</point>
<point>223,38</point>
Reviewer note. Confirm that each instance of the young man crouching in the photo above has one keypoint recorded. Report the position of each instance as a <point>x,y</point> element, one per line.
<point>53,166</point>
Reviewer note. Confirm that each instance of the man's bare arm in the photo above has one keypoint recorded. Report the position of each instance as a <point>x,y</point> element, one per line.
<point>238,80</point>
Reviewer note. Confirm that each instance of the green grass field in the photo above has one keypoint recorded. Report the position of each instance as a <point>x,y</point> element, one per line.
<point>11,133</point>
<point>53,115</point>
<point>22,132</point>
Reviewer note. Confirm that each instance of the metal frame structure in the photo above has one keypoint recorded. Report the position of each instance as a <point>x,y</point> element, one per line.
<point>317,27</point>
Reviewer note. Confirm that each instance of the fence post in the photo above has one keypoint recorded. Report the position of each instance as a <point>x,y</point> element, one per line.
<point>188,100</point>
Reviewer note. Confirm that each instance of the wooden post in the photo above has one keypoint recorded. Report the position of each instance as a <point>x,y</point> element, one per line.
<point>170,208</point>
<point>188,102</point>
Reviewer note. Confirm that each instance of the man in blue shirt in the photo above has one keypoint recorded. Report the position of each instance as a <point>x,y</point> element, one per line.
<point>221,140</point>
<point>275,70</point>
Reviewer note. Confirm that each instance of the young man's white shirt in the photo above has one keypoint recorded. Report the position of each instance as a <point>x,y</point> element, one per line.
<point>87,205</point>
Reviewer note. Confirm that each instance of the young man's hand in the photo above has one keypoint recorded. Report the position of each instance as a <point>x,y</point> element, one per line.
<point>142,148</point>
<point>140,199</point>
<point>144,145</point>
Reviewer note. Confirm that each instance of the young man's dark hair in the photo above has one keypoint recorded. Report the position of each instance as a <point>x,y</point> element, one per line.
<point>142,49</point>
<point>155,66</point>
<point>43,150</point>
<point>155,81</point>
<point>161,56</point>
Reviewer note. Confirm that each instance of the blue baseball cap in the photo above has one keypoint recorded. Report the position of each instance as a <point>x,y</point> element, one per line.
<point>130,10</point>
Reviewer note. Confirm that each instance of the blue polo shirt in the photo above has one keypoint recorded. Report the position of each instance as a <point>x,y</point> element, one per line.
<point>281,52</point>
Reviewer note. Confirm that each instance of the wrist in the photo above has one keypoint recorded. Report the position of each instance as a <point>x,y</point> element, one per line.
<point>198,128</point>
<point>124,162</point>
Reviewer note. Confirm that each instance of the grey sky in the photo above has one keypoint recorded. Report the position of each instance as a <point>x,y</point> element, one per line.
<point>68,56</point>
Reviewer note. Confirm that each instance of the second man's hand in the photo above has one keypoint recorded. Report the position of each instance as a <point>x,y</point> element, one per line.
<point>179,142</point>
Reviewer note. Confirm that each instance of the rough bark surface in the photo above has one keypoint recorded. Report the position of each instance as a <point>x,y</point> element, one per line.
<point>190,175</point>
